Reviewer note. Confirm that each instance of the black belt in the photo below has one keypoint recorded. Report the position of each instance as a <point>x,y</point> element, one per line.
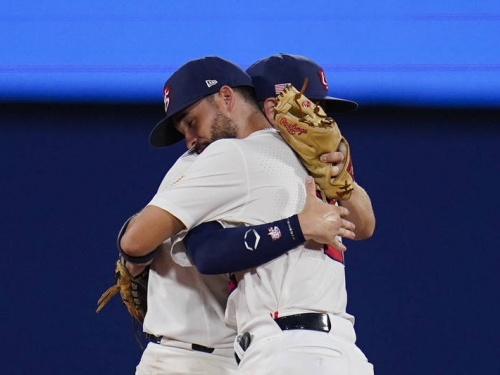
<point>308,321</point>
<point>196,347</point>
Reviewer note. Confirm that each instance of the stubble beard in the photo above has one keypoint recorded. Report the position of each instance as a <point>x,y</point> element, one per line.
<point>223,127</point>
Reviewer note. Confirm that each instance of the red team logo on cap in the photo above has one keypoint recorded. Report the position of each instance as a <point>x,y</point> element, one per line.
<point>166,98</point>
<point>322,78</point>
<point>306,104</point>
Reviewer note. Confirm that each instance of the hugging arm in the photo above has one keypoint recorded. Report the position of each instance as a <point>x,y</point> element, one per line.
<point>359,204</point>
<point>214,249</point>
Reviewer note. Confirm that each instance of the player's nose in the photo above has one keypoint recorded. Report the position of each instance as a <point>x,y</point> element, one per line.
<point>190,141</point>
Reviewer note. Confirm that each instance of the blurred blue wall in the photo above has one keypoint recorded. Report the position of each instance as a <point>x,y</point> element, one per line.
<point>424,289</point>
<point>432,53</point>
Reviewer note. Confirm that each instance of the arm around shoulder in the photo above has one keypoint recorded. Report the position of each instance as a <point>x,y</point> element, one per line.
<point>147,230</point>
<point>360,212</point>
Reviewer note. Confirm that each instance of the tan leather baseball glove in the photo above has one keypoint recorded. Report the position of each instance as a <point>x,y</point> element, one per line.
<point>133,291</point>
<point>311,133</point>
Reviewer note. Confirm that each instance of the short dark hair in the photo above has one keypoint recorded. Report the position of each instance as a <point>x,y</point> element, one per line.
<point>248,95</point>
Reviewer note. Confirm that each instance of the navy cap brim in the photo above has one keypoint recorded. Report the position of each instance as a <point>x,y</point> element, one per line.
<point>165,134</point>
<point>336,105</point>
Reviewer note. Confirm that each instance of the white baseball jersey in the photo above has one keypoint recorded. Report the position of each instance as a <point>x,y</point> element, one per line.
<point>256,180</point>
<point>182,304</point>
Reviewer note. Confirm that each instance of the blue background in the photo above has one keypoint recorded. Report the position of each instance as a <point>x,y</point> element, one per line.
<point>377,52</point>
<point>81,84</point>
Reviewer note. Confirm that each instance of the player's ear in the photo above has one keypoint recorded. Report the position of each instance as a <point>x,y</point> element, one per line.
<point>268,108</point>
<point>226,97</point>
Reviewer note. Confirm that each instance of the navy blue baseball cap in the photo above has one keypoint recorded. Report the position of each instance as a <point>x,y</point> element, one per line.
<point>271,74</point>
<point>192,82</point>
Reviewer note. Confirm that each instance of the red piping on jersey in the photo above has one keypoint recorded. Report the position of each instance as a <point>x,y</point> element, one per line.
<point>334,253</point>
<point>233,283</point>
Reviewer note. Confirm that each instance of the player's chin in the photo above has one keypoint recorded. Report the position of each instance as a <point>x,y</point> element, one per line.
<point>201,147</point>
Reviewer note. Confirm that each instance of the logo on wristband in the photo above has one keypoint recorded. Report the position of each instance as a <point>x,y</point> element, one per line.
<point>275,233</point>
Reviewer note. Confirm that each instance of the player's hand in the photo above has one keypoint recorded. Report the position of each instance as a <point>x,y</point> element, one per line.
<point>323,222</point>
<point>336,158</point>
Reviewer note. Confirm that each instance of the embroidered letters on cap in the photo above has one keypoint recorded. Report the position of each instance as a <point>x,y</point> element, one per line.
<point>322,78</point>
<point>166,98</point>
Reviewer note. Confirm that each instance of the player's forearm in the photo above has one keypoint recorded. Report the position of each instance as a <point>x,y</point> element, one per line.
<point>147,230</point>
<point>215,250</point>
<point>360,212</point>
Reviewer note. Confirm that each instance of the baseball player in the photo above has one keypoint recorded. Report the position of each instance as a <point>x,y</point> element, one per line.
<point>185,317</point>
<point>269,76</point>
<point>255,179</point>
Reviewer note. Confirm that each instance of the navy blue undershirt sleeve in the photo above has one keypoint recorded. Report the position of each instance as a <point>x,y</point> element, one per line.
<point>215,250</point>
